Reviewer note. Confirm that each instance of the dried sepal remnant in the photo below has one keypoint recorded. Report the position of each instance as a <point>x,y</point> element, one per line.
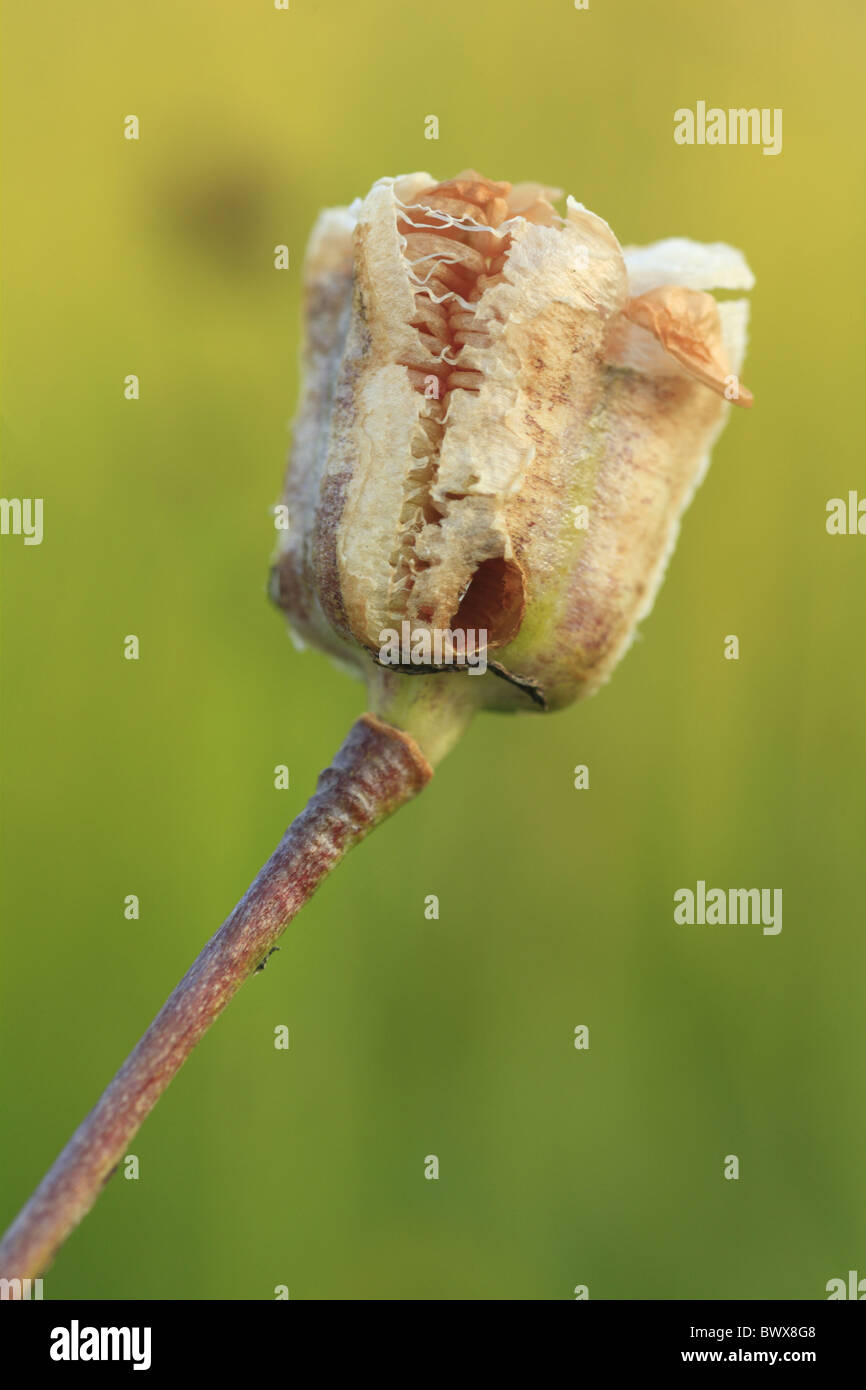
<point>686,324</point>
<point>480,372</point>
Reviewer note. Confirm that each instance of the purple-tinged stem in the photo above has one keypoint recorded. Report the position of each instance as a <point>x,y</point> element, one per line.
<point>377,769</point>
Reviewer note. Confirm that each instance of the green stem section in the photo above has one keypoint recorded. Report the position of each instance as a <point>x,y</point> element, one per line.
<point>435,710</point>
<point>376,770</point>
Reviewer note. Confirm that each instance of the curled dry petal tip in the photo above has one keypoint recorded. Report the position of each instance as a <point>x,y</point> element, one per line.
<point>686,323</point>
<point>502,419</point>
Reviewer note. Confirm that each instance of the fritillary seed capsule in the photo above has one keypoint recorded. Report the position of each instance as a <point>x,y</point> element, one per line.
<point>504,414</point>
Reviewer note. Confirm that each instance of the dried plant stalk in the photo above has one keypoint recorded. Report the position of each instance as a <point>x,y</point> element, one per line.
<point>377,769</point>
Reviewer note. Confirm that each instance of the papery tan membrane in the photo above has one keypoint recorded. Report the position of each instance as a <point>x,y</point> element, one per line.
<point>477,367</point>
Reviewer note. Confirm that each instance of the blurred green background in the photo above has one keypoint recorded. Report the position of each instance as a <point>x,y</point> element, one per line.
<point>411,1037</point>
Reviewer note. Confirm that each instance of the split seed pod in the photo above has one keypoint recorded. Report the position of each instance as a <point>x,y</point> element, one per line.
<point>504,414</point>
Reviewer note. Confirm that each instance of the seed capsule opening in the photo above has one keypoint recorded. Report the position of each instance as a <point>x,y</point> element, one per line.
<point>494,602</point>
